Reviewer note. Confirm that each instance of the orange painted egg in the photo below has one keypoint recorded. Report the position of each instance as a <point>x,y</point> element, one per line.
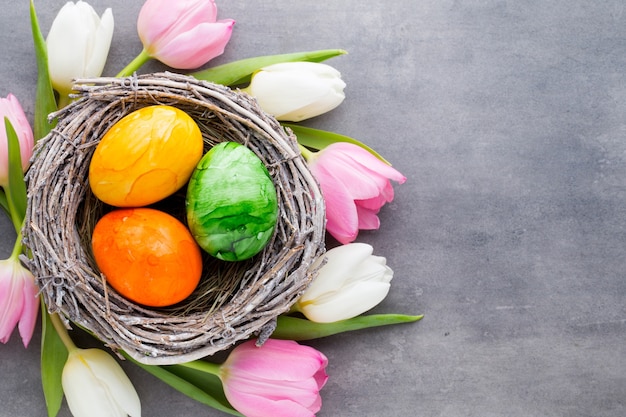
<point>146,156</point>
<point>147,256</point>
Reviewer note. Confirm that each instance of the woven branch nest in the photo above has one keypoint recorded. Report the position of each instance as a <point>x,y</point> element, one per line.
<point>234,301</point>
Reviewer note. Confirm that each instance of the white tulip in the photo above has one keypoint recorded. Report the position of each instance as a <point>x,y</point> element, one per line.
<point>78,44</point>
<point>351,282</point>
<point>95,385</point>
<point>294,91</point>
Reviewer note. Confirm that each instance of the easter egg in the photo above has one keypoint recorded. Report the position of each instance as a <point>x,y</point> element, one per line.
<point>147,256</point>
<point>146,156</point>
<point>232,204</point>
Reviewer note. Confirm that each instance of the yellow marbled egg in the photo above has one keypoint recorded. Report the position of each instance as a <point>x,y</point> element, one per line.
<point>145,157</point>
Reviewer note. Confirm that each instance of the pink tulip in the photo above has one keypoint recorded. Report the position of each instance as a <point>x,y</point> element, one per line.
<point>18,300</point>
<point>183,34</point>
<point>355,185</point>
<point>280,379</point>
<point>11,108</point>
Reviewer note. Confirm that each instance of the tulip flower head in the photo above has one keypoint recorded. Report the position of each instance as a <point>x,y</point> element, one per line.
<point>11,108</point>
<point>355,185</point>
<point>95,385</point>
<point>281,378</point>
<point>78,44</point>
<point>351,282</point>
<point>183,34</point>
<point>295,91</point>
<point>19,301</point>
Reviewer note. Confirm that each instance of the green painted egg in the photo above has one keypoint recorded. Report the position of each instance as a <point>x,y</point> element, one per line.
<point>232,205</point>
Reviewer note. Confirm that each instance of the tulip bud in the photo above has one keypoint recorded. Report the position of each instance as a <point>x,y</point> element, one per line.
<point>95,385</point>
<point>19,302</point>
<point>78,44</point>
<point>11,108</point>
<point>355,185</point>
<point>351,282</point>
<point>183,34</point>
<point>295,91</point>
<point>281,378</point>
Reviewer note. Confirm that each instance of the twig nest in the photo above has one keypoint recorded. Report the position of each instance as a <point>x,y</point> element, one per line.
<point>235,300</point>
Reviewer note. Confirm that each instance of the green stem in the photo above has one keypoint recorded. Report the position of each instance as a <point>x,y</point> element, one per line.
<point>203,366</point>
<point>16,220</point>
<point>135,64</point>
<point>17,248</point>
<point>62,332</point>
<point>307,154</point>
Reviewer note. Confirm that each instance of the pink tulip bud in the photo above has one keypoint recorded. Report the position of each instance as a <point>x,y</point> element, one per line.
<point>11,108</point>
<point>183,34</point>
<point>18,300</point>
<point>355,185</point>
<point>280,379</point>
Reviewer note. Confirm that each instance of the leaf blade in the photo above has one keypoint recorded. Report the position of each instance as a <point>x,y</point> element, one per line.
<point>319,139</point>
<point>53,358</point>
<point>45,102</point>
<point>294,328</point>
<point>16,192</point>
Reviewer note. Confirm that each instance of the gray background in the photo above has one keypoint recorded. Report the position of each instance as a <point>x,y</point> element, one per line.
<point>508,118</point>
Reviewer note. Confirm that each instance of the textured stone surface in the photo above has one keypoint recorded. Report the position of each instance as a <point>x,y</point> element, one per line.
<point>508,118</point>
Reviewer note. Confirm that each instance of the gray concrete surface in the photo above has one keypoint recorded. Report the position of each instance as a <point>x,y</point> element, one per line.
<point>509,120</point>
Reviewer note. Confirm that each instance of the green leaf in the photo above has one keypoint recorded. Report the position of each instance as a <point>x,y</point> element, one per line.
<point>294,328</point>
<point>53,358</point>
<point>240,72</point>
<point>319,139</point>
<point>16,192</point>
<point>45,102</point>
<point>200,386</point>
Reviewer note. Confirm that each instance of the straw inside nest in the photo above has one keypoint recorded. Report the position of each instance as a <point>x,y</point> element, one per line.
<point>234,300</point>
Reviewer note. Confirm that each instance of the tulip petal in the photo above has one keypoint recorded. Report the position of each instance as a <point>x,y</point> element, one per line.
<point>16,115</point>
<point>347,304</point>
<point>278,360</point>
<point>303,391</point>
<point>30,308</point>
<point>360,182</point>
<point>280,378</point>
<point>111,375</point>
<point>63,61</point>
<point>341,215</point>
<point>375,203</point>
<point>340,264</point>
<point>295,96</point>
<point>368,161</point>
<point>160,20</point>
<point>374,268</point>
<point>101,42</point>
<point>85,394</point>
<point>255,406</point>
<point>186,52</point>
<point>78,44</point>
<point>368,220</point>
<point>10,309</point>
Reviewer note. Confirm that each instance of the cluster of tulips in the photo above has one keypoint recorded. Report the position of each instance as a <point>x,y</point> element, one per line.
<point>282,377</point>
